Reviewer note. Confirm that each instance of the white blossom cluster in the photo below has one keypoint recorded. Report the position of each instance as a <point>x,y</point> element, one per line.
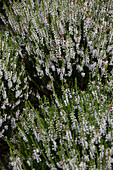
<point>73,13</point>
<point>62,132</point>
<point>12,71</point>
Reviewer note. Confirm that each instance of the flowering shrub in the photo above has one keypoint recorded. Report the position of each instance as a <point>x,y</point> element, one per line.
<point>13,86</point>
<point>62,40</point>
<point>50,43</point>
<point>76,132</point>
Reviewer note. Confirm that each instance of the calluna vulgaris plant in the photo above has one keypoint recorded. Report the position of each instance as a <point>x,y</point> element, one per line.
<point>76,132</point>
<point>54,41</point>
<point>50,43</point>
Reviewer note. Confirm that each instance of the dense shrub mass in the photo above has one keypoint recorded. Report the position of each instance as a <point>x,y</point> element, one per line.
<point>51,44</point>
<point>76,132</point>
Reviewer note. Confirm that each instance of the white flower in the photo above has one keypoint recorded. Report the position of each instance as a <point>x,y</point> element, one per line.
<point>25,139</point>
<point>82,165</point>
<point>106,62</point>
<point>49,86</point>
<point>61,76</point>
<point>53,67</point>
<point>17,114</point>
<point>81,53</point>
<point>86,158</point>
<point>69,66</point>
<point>79,68</point>
<point>8,117</point>
<point>10,84</point>
<point>58,70</point>
<point>111,72</point>
<point>108,136</point>
<point>28,162</point>
<point>68,135</point>
<point>17,103</point>
<point>55,145</point>
<point>18,93</point>
<point>36,156</point>
<point>14,78</point>
<point>83,74</point>
<point>13,123</point>
<point>3,106</point>
<point>99,63</point>
<point>69,73</point>
<point>1,121</point>
<point>1,73</point>
<point>1,133</point>
<point>102,71</point>
<point>92,67</point>
<point>6,127</point>
<point>63,70</point>
<point>4,94</point>
<point>47,71</point>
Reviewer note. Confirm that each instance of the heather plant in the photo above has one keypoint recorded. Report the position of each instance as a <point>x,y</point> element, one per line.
<point>50,42</point>
<point>55,41</point>
<point>13,84</point>
<point>75,133</point>
<point>61,40</point>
